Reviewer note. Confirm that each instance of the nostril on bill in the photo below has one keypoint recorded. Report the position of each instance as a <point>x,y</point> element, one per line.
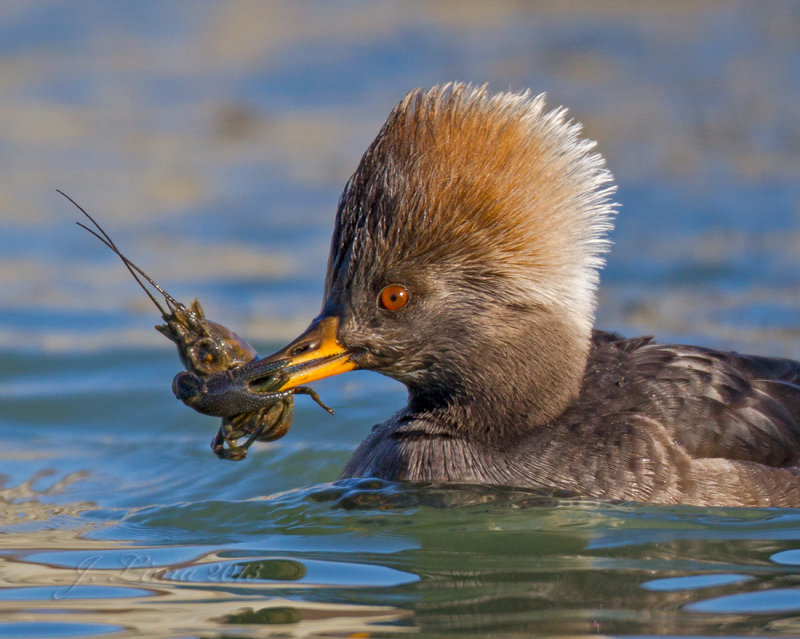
<point>186,385</point>
<point>305,347</point>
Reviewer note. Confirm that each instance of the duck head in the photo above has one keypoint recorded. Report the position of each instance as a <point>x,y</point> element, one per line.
<point>464,260</point>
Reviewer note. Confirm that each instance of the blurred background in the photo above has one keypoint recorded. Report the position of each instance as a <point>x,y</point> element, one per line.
<point>212,141</point>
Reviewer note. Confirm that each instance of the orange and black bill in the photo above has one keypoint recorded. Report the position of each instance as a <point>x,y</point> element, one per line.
<point>312,356</point>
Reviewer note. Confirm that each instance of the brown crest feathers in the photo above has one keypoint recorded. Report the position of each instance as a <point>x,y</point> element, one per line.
<point>466,181</point>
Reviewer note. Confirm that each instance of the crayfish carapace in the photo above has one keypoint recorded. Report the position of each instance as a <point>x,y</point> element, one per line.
<point>258,413</point>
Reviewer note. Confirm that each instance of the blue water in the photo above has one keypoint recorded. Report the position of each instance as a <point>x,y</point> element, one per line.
<point>212,140</point>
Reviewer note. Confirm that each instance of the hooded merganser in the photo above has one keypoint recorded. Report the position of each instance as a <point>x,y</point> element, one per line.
<point>464,264</point>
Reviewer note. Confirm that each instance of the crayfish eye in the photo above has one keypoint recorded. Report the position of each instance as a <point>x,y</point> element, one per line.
<point>205,354</point>
<point>393,297</point>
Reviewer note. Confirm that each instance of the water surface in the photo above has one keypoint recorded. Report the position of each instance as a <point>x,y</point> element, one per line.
<point>212,140</point>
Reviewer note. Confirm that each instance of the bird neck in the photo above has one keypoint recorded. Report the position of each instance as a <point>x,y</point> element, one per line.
<point>506,387</point>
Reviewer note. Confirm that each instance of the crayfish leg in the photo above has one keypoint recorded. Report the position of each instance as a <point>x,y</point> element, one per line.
<point>281,425</point>
<point>305,390</point>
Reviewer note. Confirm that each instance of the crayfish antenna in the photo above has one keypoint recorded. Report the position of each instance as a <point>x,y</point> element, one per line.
<point>135,271</point>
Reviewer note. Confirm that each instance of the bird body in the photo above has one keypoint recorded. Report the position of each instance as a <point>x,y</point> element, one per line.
<point>464,263</point>
<point>653,423</point>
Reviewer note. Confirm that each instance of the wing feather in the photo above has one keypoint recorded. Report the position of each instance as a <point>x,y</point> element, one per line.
<point>713,404</point>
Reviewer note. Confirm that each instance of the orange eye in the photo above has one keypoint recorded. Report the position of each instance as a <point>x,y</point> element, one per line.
<point>393,297</point>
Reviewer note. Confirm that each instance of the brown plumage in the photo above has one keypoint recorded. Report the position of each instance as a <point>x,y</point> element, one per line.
<point>488,185</point>
<point>490,213</point>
